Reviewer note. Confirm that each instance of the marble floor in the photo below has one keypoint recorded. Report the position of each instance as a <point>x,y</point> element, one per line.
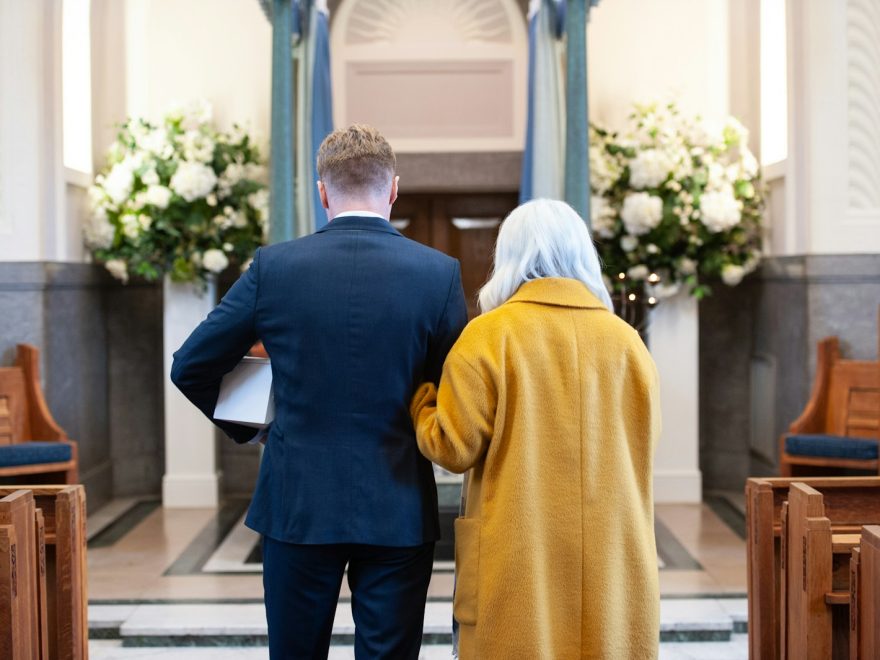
<point>139,551</point>
<point>164,580</point>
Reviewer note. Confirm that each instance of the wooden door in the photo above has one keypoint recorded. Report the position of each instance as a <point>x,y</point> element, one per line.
<point>463,226</point>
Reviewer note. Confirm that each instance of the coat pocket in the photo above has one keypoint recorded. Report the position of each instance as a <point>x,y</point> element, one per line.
<point>467,561</point>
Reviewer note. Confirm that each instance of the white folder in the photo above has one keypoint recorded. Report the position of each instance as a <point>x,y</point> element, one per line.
<point>246,395</point>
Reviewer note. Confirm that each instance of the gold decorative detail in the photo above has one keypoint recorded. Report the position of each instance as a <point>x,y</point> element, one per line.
<point>398,21</point>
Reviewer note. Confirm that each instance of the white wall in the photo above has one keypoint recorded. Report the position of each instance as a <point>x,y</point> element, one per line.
<point>219,50</point>
<point>31,185</point>
<point>647,50</point>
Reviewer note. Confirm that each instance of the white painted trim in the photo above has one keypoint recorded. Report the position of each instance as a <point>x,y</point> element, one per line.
<point>77,178</point>
<point>774,171</point>
<point>678,486</point>
<point>191,491</point>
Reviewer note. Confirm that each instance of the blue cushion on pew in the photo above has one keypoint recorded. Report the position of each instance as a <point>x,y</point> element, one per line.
<point>33,453</point>
<point>831,446</point>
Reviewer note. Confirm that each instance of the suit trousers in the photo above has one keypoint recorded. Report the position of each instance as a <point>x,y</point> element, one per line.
<point>389,586</point>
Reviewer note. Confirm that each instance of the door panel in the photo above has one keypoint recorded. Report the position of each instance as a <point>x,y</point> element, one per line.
<point>463,226</point>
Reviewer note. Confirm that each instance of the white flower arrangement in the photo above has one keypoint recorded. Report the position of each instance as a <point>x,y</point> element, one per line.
<point>676,202</point>
<point>155,207</point>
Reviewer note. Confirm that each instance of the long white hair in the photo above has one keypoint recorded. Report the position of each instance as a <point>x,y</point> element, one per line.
<point>542,238</point>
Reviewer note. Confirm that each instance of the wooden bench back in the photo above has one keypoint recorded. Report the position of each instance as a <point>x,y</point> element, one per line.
<point>14,420</point>
<point>849,502</point>
<point>64,513</point>
<point>854,399</point>
<point>864,633</point>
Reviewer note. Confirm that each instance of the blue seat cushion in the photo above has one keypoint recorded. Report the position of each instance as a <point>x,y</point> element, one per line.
<point>34,453</point>
<point>831,446</point>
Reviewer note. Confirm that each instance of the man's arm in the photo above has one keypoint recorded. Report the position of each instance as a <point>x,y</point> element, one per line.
<point>451,324</point>
<point>216,347</point>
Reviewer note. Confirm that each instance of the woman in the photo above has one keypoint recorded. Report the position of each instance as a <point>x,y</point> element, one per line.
<point>551,401</point>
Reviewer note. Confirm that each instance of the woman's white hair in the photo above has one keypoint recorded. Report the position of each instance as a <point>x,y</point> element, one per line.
<point>542,238</point>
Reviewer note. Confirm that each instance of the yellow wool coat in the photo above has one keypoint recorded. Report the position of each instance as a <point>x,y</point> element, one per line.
<point>552,402</point>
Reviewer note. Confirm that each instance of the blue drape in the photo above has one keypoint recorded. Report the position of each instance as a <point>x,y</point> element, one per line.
<point>322,102</point>
<point>301,117</point>
<point>556,153</point>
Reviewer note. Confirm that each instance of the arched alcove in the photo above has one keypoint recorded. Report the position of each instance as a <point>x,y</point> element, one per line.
<point>433,75</point>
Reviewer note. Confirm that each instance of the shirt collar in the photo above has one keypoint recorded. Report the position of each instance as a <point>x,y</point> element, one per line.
<point>357,222</point>
<point>359,214</point>
<point>560,291</point>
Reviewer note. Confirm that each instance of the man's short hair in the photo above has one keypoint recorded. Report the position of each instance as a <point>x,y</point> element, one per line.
<point>356,160</point>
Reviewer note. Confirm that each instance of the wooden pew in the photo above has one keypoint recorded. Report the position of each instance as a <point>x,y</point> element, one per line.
<point>42,594</point>
<point>815,578</point>
<point>64,511</point>
<point>864,640</point>
<point>25,418</point>
<point>12,630</point>
<point>18,512</point>
<point>849,503</point>
<point>844,408</point>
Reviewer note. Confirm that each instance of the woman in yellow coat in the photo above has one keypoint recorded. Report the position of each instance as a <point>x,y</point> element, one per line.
<point>551,402</point>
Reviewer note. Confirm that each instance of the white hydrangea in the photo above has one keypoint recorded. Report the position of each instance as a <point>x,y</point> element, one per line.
<point>156,141</point>
<point>601,217</point>
<point>131,226</point>
<point>98,231</point>
<point>215,261</point>
<point>717,176</point>
<point>150,177</point>
<point>650,168</point>
<point>638,273</point>
<point>257,173</point>
<point>603,170</point>
<point>197,147</point>
<point>641,212</point>
<point>195,114</point>
<point>629,243</point>
<point>193,180</point>
<point>748,162</point>
<point>118,183</point>
<point>158,196</point>
<point>731,274</point>
<point>719,210</point>
<point>687,266</point>
<point>259,201</point>
<point>118,269</point>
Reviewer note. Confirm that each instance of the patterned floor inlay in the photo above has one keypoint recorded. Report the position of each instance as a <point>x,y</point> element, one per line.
<point>227,546</point>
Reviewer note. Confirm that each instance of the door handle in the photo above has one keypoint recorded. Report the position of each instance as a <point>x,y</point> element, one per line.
<point>401,224</point>
<point>475,223</point>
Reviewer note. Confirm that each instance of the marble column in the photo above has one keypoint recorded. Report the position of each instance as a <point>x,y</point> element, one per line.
<point>282,209</point>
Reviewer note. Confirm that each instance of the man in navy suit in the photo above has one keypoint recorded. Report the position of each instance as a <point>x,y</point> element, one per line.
<point>354,318</point>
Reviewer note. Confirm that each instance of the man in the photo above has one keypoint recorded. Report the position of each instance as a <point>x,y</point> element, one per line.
<point>354,318</point>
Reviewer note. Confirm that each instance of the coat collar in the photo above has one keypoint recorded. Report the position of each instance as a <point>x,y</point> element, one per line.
<point>359,223</point>
<point>559,291</point>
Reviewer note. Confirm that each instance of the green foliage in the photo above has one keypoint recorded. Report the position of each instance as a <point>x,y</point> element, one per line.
<point>180,198</point>
<point>677,203</point>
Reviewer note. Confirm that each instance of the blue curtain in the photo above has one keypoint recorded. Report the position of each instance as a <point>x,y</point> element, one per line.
<point>302,114</point>
<point>544,155</point>
<point>556,154</point>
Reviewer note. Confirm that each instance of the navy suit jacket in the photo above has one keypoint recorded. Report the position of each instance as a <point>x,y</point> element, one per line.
<point>354,318</point>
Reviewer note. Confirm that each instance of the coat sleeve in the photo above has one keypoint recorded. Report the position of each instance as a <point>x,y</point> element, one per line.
<point>451,323</point>
<point>455,424</point>
<point>216,346</point>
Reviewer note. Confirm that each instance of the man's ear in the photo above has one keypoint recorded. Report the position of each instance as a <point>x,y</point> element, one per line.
<point>393,196</point>
<point>322,193</point>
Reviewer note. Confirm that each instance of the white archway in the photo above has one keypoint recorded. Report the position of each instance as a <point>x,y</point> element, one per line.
<point>433,75</point>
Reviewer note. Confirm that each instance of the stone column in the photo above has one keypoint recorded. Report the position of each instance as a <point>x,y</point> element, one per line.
<point>191,477</point>
<point>282,209</point>
<point>577,161</point>
<point>674,338</point>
